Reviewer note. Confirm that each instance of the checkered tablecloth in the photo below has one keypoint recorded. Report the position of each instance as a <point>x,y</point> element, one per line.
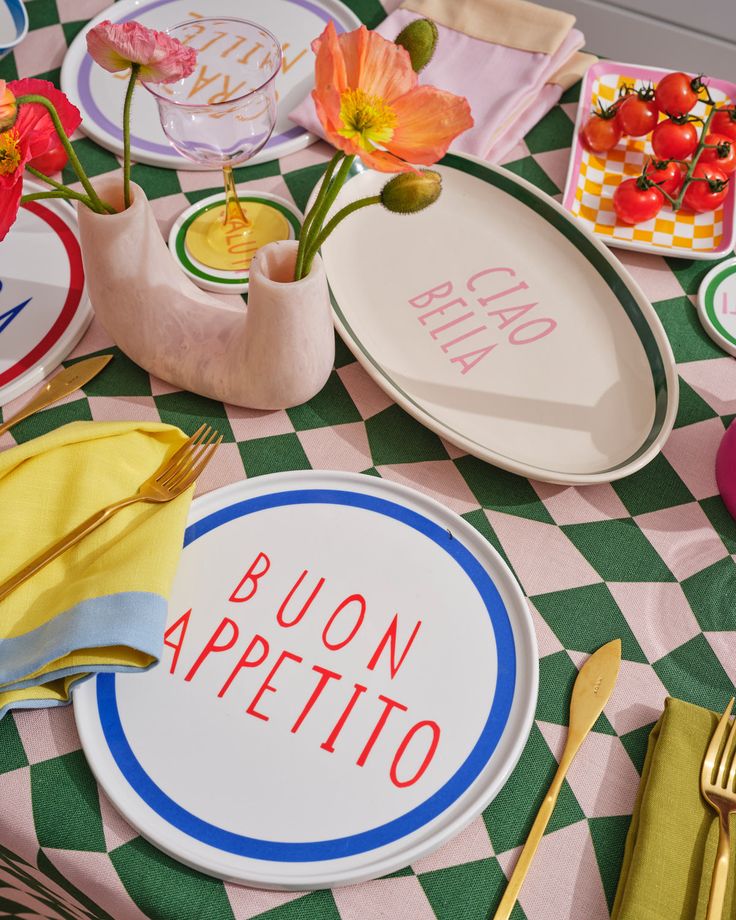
<point>650,559</point>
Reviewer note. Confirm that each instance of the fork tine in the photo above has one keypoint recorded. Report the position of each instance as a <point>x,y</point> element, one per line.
<point>725,756</point>
<point>185,446</point>
<point>183,470</point>
<point>711,755</point>
<point>194,473</point>
<point>182,454</point>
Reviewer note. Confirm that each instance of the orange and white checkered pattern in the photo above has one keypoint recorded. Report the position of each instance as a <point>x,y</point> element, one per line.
<point>600,174</point>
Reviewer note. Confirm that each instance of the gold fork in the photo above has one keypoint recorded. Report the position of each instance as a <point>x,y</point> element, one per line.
<point>173,477</point>
<point>720,793</point>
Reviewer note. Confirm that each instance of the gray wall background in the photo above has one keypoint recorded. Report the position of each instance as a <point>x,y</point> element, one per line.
<point>698,36</point>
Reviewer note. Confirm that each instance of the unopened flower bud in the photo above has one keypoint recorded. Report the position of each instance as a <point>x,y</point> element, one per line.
<point>420,39</point>
<point>410,192</point>
<point>8,107</point>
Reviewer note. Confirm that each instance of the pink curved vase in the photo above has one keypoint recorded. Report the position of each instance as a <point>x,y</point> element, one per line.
<point>726,469</point>
<point>276,353</point>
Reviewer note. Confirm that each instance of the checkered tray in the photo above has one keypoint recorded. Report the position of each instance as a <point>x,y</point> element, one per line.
<point>592,178</point>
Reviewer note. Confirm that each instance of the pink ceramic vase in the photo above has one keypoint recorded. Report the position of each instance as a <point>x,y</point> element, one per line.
<point>726,469</point>
<point>277,352</point>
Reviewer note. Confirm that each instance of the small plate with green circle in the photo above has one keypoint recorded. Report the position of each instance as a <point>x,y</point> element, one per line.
<point>272,218</point>
<point>717,304</point>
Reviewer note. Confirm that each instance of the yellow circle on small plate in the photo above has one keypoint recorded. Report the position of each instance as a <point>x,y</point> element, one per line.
<point>231,246</point>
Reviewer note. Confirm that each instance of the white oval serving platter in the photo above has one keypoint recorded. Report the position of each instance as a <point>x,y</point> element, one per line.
<point>99,95</point>
<point>44,311</point>
<point>504,326</point>
<point>349,676</point>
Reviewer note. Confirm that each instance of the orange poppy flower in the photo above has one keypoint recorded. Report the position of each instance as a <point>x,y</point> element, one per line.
<point>369,101</point>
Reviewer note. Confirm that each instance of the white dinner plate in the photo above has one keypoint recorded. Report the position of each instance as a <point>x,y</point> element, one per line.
<point>717,304</point>
<point>349,676</point>
<point>99,95</point>
<point>44,311</point>
<point>504,326</point>
<point>13,24</point>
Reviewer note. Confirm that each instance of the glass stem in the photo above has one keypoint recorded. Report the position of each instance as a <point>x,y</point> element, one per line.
<point>233,209</point>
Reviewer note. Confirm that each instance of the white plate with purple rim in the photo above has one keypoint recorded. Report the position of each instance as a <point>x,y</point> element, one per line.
<point>99,95</point>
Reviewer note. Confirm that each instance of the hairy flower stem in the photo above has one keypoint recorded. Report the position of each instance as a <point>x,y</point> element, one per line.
<point>96,204</point>
<point>126,132</point>
<point>309,216</point>
<point>68,192</point>
<point>56,193</point>
<point>327,230</point>
<point>321,212</point>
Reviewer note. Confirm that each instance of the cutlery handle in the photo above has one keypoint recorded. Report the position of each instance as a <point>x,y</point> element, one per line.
<point>54,551</point>
<point>39,401</point>
<point>532,842</point>
<point>720,872</point>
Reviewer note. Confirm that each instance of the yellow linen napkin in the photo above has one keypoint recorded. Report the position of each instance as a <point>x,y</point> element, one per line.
<point>671,845</point>
<point>101,606</point>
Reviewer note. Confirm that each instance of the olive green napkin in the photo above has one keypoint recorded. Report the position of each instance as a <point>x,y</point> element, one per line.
<point>672,840</point>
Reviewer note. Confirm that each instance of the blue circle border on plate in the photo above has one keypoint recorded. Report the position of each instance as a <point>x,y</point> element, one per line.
<point>396,829</point>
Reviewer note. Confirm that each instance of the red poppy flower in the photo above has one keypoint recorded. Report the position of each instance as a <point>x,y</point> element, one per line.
<point>31,138</point>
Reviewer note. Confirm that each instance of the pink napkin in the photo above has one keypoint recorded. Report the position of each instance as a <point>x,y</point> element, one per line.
<point>510,58</point>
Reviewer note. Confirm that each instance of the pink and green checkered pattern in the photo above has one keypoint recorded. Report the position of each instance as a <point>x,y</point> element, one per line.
<point>650,559</point>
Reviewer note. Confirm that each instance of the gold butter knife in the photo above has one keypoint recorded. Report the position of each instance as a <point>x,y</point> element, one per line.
<point>592,690</point>
<point>65,382</point>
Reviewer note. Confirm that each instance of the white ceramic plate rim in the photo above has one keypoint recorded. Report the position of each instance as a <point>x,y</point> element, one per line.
<point>478,795</point>
<point>78,49</point>
<point>487,453</point>
<point>720,340</point>
<point>74,331</point>
<point>635,245</point>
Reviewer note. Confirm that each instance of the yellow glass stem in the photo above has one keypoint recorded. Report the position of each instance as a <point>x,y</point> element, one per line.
<point>234,212</point>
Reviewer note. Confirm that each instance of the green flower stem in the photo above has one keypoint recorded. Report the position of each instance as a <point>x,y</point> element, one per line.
<point>126,132</point>
<point>309,216</point>
<point>56,193</point>
<point>327,230</point>
<point>68,192</point>
<point>66,144</point>
<point>321,212</point>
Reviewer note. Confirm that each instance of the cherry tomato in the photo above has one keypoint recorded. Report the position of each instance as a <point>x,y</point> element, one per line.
<point>676,93</point>
<point>53,161</point>
<point>635,203</point>
<point>671,141</point>
<point>666,175</point>
<point>723,155</point>
<point>724,122</point>
<point>600,132</point>
<point>706,195</point>
<point>637,115</point>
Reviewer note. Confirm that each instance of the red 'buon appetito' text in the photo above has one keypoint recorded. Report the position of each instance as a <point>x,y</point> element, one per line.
<point>461,330</point>
<point>389,655</point>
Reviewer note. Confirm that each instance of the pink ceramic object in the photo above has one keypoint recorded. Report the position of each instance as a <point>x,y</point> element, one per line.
<point>277,352</point>
<point>726,469</point>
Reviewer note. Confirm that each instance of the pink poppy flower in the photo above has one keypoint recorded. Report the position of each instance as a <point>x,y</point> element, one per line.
<point>162,59</point>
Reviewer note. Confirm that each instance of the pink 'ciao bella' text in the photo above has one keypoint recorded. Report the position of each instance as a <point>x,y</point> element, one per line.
<point>463,327</point>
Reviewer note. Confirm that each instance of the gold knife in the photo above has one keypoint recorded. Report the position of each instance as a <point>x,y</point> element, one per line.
<point>592,690</point>
<point>65,382</point>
